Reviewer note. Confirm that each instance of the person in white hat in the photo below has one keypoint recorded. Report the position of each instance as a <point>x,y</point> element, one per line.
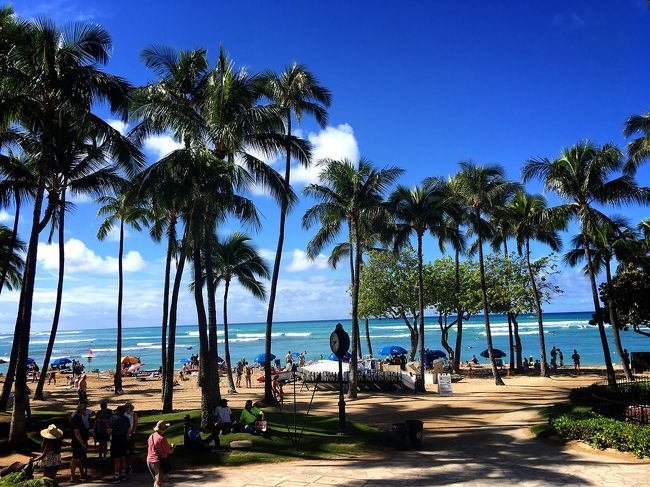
<point>50,456</point>
<point>158,451</point>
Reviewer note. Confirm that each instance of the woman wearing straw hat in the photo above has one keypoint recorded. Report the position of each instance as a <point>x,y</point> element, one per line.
<point>158,450</point>
<point>50,456</point>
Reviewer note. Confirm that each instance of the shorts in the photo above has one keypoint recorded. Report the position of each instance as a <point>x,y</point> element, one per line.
<point>78,452</point>
<point>130,445</point>
<point>118,446</point>
<point>51,470</point>
<point>102,437</point>
<point>156,472</point>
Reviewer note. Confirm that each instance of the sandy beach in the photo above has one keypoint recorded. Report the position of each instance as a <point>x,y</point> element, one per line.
<point>480,426</point>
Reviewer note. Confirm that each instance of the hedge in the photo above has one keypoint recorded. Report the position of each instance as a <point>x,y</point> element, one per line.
<point>16,480</point>
<point>602,432</point>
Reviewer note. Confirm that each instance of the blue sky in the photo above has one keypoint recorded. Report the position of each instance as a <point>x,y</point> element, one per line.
<point>421,85</point>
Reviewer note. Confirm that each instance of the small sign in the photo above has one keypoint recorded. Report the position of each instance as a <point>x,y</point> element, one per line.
<point>444,385</point>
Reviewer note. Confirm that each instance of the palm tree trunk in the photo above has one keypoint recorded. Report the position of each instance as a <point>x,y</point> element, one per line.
<point>354,362</point>
<point>518,352</point>
<point>11,368</point>
<point>12,243</point>
<point>206,396</point>
<point>488,332</point>
<point>171,243</point>
<point>352,281</point>
<point>226,345</point>
<point>538,307</point>
<point>509,314</point>
<point>368,343</point>
<point>611,375</point>
<point>117,379</point>
<point>38,394</point>
<point>268,391</point>
<point>459,318</point>
<point>213,378</point>
<point>168,391</point>
<point>18,427</point>
<point>421,310</point>
<point>613,319</point>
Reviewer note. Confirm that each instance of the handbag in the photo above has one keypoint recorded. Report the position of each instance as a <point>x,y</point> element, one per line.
<point>165,463</point>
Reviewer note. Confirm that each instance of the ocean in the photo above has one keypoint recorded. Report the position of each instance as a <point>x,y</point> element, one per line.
<point>563,330</point>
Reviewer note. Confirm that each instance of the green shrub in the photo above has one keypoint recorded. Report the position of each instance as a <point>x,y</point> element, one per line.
<point>602,432</point>
<point>16,479</point>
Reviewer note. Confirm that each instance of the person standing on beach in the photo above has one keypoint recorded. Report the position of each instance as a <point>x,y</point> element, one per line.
<point>287,358</point>
<point>239,369</point>
<point>576,360</point>
<point>561,355</point>
<point>248,373</point>
<point>82,389</point>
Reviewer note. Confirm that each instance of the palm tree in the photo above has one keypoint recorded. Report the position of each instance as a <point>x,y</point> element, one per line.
<point>581,177</point>
<point>417,211</point>
<point>49,71</point>
<point>120,210</point>
<point>638,150</point>
<point>294,92</point>
<point>526,214</point>
<point>354,197</point>
<point>11,248</point>
<point>481,188</point>
<point>235,258</point>
<point>606,241</point>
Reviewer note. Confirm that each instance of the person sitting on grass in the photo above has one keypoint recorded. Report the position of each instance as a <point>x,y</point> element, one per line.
<point>195,440</point>
<point>223,414</point>
<point>249,416</point>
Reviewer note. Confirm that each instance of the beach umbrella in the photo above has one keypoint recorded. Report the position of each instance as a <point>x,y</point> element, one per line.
<point>61,361</point>
<point>346,358</point>
<point>220,361</point>
<point>392,350</point>
<point>261,358</point>
<point>185,360</point>
<point>497,353</point>
<point>295,354</point>
<point>130,359</point>
<point>30,361</point>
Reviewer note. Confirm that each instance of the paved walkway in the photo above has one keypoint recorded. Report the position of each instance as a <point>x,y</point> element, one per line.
<point>497,454</point>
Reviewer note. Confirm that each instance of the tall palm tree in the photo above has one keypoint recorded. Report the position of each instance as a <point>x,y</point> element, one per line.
<point>120,210</point>
<point>481,188</point>
<point>11,248</point>
<point>51,70</point>
<point>351,196</point>
<point>422,209</point>
<point>607,240</point>
<point>583,177</point>
<point>235,258</point>
<point>295,92</point>
<point>526,214</point>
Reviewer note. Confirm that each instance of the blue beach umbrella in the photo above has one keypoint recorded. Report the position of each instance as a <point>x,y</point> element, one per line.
<point>185,360</point>
<point>497,353</point>
<point>437,354</point>
<point>261,358</point>
<point>392,350</point>
<point>295,354</point>
<point>30,361</point>
<point>346,358</point>
<point>61,361</point>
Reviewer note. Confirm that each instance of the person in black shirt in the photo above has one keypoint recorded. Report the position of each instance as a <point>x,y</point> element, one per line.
<point>80,435</point>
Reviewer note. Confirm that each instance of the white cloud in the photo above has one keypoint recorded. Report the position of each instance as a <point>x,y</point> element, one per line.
<point>161,145</point>
<point>79,258</point>
<point>119,125</point>
<point>301,262</point>
<point>5,217</point>
<point>330,143</point>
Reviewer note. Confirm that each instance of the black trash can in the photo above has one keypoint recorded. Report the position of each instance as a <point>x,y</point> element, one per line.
<point>415,430</point>
<point>400,436</point>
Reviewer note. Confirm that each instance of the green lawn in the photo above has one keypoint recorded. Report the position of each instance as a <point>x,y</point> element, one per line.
<point>319,439</point>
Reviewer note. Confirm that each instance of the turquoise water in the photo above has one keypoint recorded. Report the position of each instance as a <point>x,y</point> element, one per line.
<point>564,330</point>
